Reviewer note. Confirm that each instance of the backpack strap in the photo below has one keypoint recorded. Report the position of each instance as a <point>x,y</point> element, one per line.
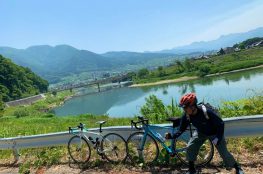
<point>205,111</point>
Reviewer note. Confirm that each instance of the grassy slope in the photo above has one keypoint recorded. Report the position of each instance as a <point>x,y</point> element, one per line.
<point>224,63</point>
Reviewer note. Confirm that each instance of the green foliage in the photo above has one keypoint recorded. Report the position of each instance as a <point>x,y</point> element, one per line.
<point>201,67</point>
<point>156,111</point>
<point>250,106</point>
<point>189,65</point>
<point>48,157</point>
<point>204,70</point>
<point>39,108</point>
<point>142,73</point>
<point>21,112</point>
<point>221,51</point>
<point>25,168</point>
<point>161,71</point>
<point>2,106</point>
<point>17,82</point>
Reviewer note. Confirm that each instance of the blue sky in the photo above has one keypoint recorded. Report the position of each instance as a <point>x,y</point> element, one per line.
<point>124,25</point>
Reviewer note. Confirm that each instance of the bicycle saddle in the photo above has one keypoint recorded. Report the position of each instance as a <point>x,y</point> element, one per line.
<point>101,122</point>
<point>175,120</point>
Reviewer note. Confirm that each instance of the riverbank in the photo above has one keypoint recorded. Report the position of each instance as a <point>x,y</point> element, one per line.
<point>181,79</point>
<point>234,71</point>
<point>189,78</point>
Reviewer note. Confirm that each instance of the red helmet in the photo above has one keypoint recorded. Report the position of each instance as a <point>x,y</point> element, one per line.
<point>188,100</point>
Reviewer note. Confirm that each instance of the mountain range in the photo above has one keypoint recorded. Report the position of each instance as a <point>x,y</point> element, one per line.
<point>54,63</point>
<point>221,42</point>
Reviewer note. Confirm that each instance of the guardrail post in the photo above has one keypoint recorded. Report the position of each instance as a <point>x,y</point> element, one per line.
<point>15,152</point>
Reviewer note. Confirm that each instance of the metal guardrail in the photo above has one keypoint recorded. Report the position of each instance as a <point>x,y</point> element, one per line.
<point>245,126</point>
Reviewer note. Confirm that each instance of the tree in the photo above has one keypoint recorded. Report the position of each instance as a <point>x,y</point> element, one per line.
<point>131,75</point>
<point>204,70</point>
<point>179,67</point>
<point>2,106</point>
<point>143,73</point>
<point>188,65</point>
<point>17,82</point>
<point>156,111</point>
<point>161,71</point>
<point>221,52</point>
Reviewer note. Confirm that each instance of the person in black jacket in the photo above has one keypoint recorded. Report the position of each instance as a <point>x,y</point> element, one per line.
<point>211,127</point>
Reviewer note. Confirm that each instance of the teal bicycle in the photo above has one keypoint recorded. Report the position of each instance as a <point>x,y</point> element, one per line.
<point>143,146</point>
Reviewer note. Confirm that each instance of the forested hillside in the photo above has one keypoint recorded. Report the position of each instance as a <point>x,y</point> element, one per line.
<point>17,82</point>
<point>55,63</point>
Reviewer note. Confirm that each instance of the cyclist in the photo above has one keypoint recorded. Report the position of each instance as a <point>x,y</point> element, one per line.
<point>212,127</point>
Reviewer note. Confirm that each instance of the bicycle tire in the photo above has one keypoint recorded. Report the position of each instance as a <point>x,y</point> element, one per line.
<point>114,148</point>
<point>205,154</point>
<point>79,154</point>
<point>135,155</point>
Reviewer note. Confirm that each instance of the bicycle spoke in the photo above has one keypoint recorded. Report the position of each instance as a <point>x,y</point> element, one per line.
<point>79,149</point>
<point>138,152</point>
<point>114,147</point>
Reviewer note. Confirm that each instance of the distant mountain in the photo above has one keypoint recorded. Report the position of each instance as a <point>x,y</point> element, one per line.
<point>223,41</point>
<point>125,57</point>
<point>54,63</point>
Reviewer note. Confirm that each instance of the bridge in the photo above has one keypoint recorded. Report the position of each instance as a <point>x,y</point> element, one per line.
<point>118,79</point>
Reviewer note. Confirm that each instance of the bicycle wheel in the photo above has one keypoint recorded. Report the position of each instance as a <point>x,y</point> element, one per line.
<point>205,154</point>
<point>114,147</point>
<point>148,154</point>
<point>79,149</point>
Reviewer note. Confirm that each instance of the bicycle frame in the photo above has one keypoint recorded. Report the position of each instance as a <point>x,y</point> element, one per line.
<point>175,148</point>
<point>149,129</point>
<point>81,134</point>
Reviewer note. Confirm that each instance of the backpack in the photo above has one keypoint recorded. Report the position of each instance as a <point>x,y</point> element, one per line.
<point>206,106</point>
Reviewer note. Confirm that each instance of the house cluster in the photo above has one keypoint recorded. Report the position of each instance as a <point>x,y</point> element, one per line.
<point>256,44</point>
<point>228,50</point>
<point>236,49</point>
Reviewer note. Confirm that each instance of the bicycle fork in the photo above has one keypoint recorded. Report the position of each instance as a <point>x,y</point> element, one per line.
<point>141,147</point>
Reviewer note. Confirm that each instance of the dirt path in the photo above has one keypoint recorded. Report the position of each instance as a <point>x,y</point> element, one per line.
<point>181,79</point>
<point>251,164</point>
<point>66,169</point>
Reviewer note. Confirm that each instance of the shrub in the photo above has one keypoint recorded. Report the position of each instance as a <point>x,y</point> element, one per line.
<point>21,112</point>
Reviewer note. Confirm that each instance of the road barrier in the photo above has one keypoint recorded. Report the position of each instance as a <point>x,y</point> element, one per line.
<point>245,126</point>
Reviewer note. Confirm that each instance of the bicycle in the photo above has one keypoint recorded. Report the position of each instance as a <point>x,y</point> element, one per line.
<point>111,146</point>
<point>143,147</point>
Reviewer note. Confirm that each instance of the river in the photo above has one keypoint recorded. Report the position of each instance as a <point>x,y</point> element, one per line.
<point>126,102</point>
